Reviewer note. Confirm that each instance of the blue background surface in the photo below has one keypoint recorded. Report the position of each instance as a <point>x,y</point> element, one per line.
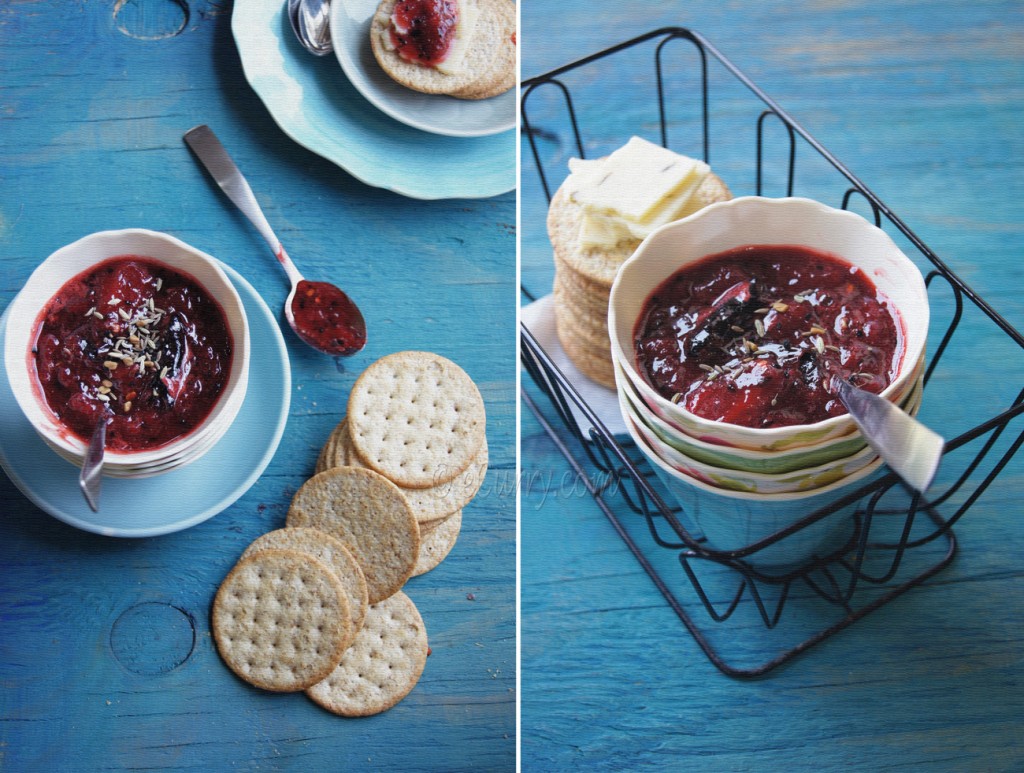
<point>924,102</point>
<point>106,659</point>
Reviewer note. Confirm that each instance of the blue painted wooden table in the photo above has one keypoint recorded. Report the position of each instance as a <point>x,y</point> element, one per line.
<point>923,101</point>
<point>106,658</point>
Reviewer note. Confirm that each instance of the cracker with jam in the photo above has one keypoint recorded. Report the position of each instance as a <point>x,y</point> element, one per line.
<point>462,48</point>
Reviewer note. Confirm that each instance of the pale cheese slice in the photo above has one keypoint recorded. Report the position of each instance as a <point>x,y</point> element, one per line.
<point>600,228</point>
<point>598,231</point>
<point>637,181</point>
<point>584,173</point>
<point>609,219</point>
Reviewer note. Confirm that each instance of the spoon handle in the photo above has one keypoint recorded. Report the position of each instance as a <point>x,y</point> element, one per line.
<point>215,158</point>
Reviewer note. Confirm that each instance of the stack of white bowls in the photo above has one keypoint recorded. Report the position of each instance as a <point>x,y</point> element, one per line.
<point>68,262</point>
<point>737,485</point>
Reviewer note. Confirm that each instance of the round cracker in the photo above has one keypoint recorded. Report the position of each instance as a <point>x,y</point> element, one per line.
<point>430,504</point>
<point>587,327</point>
<point>330,551</point>
<point>326,459</point>
<point>570,333</point>
<point>579,284</point>
<point>383,664</point>
<point>595,264</point>
<point>438,543</point>
<point>579,348</point>
<point>592,363</point>
<point>416,418</point>
<point>370,516</point>
<point>321,463</point>
<point>484,44</point>
<point>506,82</point>
<point>568,328</point>
<point>712,189</point>
<point>434,503</point>
<point>428,526</point>
<point>500,75</point>
<point>337,450</point>
<point>593,307</point>
<point>281,620</point>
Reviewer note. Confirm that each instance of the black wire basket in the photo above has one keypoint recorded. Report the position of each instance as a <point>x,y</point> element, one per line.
<point>900,539</point>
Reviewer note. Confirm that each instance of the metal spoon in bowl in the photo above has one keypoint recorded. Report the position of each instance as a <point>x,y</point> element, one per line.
<point>310,20</point>
<point>911,449</point>
<point>319,313</point>
<point>90,478</point>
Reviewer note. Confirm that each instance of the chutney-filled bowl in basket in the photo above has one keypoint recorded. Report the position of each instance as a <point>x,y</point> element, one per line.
<point>731,323</point>
<point>140,328</point>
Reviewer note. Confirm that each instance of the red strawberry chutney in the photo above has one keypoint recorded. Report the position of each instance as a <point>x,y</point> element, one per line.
<point>753,336</point>
<point>137,341</point>
<point>422,31</point>
<point>326,318</point>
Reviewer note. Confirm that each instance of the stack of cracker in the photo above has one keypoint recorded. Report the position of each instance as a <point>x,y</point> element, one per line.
<point>318,605</point>
<point>482,59</point>
<point>417,419</point>
<point>591,239</point>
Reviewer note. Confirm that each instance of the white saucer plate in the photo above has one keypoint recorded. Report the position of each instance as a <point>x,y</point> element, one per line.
<point>438,114</point>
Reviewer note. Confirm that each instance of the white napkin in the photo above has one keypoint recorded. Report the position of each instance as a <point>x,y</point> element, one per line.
<point>539,319</point>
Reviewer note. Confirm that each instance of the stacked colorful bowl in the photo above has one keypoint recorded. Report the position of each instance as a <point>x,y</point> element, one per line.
<point>738,484</point>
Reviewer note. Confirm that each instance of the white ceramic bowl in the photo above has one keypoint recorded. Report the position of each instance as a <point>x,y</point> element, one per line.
<point>802,479</point>
<point>738,458</point>
<point>729,457</point>
<point>733,520</point>
<point>170,456</point>
<point>189,455</point>
<point>756,220</point>
<point>73,259</point>
<point>186,455</point>
<point>752,482</point>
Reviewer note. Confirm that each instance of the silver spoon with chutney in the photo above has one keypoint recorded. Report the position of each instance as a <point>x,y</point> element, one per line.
<point>319,313</point>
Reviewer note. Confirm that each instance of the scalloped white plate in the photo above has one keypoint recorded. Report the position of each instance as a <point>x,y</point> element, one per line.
<point>313,102</point>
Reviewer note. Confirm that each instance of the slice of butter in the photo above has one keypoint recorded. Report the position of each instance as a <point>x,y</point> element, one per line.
<point>637,180</point>
<point>598,231</point>
<point>585,174</point>
<point>464,29</point>
<point>638,188</point>
<point>603,229</point>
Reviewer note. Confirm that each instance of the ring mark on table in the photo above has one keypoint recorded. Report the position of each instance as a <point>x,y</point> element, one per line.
<point>151,19</point>
<point>153,637</point>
